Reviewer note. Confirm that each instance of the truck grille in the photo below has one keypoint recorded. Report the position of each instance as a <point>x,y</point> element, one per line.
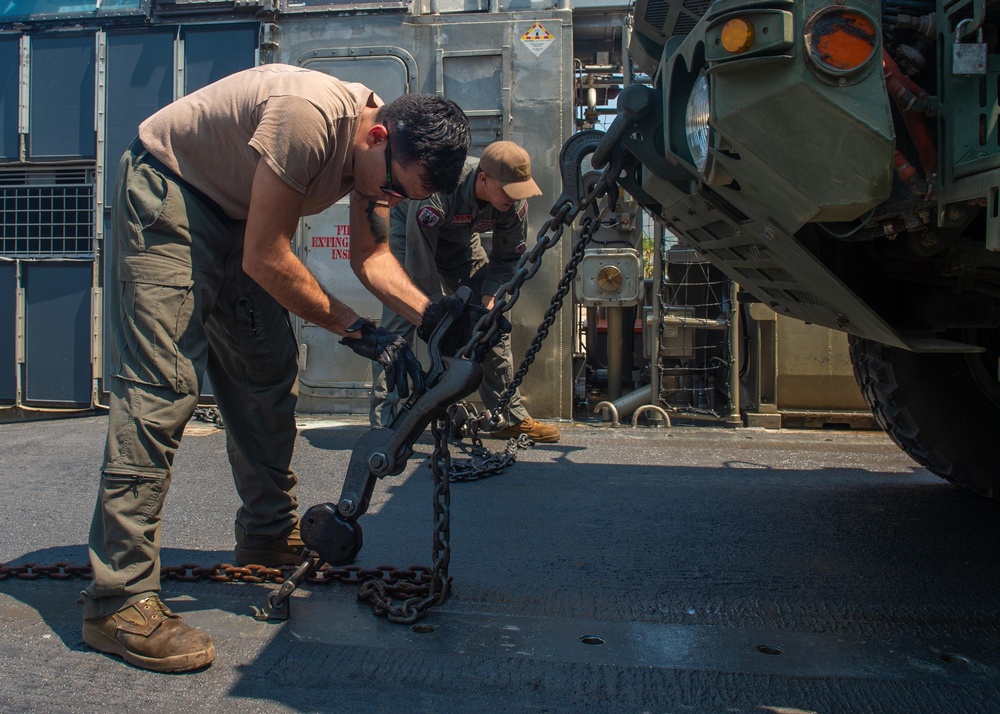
<point>665,19</point>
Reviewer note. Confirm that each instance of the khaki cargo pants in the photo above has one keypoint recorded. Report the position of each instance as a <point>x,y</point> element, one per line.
<point>180,307</point>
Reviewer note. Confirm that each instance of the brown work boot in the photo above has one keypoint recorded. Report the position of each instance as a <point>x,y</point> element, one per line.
<point>270,552</point>
<point>146,634</point>
<point>536,431</point>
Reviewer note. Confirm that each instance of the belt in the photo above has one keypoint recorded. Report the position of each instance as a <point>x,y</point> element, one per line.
<point>142,154</point>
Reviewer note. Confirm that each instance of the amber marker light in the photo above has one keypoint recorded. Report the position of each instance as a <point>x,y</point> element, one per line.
<point>737,36</point>
<point>842,40</point>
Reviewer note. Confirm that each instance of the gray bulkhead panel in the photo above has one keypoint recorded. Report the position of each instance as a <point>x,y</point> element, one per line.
<point>512,74</point>
<point>57,333</point>
<point>8,332</point>
<point>61,97</point>
<point>140,81</point>
<point>212,52</point>
<point>9,53</point>
<point>141,75</point>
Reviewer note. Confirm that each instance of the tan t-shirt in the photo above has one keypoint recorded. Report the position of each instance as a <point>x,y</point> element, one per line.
<point>302,122</point>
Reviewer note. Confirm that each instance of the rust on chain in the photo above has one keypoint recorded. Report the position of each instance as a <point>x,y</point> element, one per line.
<point>408,582</point>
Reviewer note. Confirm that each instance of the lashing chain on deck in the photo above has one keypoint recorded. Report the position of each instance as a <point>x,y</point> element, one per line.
<point>573,201</point>
<point>405,594</point>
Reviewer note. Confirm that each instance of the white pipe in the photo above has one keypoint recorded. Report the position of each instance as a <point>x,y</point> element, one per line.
<point>628,403</point>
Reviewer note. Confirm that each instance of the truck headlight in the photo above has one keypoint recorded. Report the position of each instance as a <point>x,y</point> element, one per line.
<point>696,122</point>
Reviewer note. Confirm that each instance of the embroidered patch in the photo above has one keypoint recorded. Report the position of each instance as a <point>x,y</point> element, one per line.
<point>484,225</point>
<point>522,210</point>
<point>462,219</point>
<point>428,216</point>
<point>521,247</point>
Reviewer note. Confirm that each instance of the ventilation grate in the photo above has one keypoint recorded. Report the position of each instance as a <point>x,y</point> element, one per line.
<point>47,213</point>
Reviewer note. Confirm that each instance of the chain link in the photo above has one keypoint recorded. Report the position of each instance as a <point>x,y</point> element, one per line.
<point>563,214</point>
<point>590,225</point>
<point>526,268</point>
<point>415,605</point>
<point>414,577</point>
<point>483,463</point>
<point>209,415</point>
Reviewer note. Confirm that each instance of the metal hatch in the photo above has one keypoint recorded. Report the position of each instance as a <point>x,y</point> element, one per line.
<point>329,372</point>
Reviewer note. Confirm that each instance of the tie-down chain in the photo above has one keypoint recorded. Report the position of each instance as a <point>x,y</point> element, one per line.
<point>332,535</point>
<point>571,203</point>
<point>331,532</point>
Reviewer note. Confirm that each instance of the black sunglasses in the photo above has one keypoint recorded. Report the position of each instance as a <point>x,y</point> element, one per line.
<point>390,189</point>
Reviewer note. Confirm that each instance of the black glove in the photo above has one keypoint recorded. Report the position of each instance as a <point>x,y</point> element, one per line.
<point>391,351</point>
<point>462,328</point>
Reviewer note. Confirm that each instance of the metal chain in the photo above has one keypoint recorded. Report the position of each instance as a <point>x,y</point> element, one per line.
<point>483,463</point>
<point>418,587</point>
<point>414,607</point>
<point>562,214</point>
<point>409,580</point>
<point>210,415</point>
<point>590,225</point>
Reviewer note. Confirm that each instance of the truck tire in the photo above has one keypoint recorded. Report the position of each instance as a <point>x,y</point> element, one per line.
<point>941,409</point>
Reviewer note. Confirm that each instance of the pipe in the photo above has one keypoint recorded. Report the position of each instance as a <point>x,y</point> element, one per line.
<point>734,355</point>
<point>650,408</point>
<point>615,340</point>
<point>601,406</point>
<point>654,358</point>
<point>635,403</point>
<point>592,337</point>
<point>602,26</point>
<point>630,402</point>
<point>626,41</point>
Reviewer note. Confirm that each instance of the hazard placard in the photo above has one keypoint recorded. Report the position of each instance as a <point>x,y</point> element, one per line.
<point>537,38</point>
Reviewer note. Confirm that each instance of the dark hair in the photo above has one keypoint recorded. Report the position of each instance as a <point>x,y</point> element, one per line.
<point>431,130</point>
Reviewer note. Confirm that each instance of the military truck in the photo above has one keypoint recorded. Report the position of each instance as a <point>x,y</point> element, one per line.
<point>840,160</point>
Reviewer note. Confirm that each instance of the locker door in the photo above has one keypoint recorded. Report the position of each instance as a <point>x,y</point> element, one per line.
<point>140,82</point>
<point>214,52</point>
<point>9,65</point>
<point>8,332</point>
<point>61,98</point>
<point>57,366</point>
<point>330,372</point>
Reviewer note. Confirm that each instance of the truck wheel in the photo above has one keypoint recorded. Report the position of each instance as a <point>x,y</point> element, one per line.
<point>941,409</point>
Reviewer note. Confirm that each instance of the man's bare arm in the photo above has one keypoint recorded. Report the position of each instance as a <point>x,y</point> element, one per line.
<point>374,263</point>
<point>377,214</point>
<point>269,260</point>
